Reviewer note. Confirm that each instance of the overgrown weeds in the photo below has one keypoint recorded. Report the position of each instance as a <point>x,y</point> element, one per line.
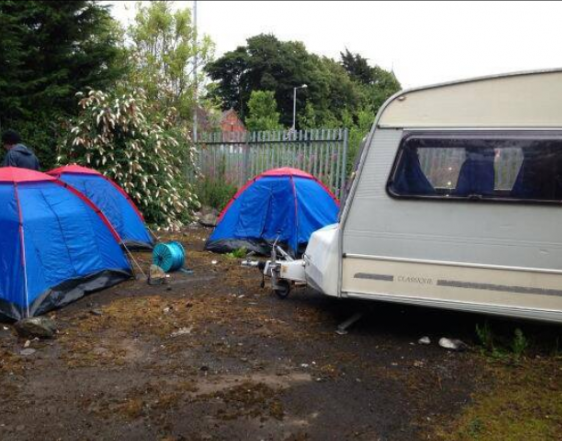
<point>485,336</point>
<point>240,253</point>
<point>519,344</point>
<point>501,347</point>
<point>214,194</point>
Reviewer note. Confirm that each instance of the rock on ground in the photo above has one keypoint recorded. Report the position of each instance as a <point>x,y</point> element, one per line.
<point>41,327</point>
<point>209,217</point>
<point>453,344</point>
<point>27,352</point>
<point>156,276</point>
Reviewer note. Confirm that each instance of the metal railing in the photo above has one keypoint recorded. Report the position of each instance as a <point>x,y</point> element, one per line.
<point>236,157</point>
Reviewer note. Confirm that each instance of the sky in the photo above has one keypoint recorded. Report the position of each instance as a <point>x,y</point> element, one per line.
<point>422,42</point>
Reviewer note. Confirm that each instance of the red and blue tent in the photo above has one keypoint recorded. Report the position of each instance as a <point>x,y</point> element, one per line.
<point>55,245</point>
<point>112,200</point>
<point>284,204</point>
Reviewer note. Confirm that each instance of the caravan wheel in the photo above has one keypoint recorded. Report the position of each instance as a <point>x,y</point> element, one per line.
<point>282,289</point>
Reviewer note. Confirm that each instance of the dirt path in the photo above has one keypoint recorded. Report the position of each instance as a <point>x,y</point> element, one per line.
<point>211,356</point>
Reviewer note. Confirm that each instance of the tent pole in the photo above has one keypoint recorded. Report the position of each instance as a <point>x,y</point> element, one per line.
<point>296,250</point>
<point>133,259</point>
<point>154,236</point>
<point>22,244</point>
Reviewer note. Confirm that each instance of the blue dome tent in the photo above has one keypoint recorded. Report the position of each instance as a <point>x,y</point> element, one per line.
<point>285,204</point>
<point>55,245</point>
<point>112,200</point>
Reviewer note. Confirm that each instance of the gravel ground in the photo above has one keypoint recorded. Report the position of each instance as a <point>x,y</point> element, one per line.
<point>212,356</point>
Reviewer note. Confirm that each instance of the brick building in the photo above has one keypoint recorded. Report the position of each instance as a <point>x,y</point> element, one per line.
<point>231,125</point>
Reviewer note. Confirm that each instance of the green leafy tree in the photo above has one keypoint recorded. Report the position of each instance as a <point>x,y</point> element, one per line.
<point>357,67</point>
<point>308,119</point>
<point>50,50</point>
<point>164,56</point>
<point>377,83</point>
<point>340,95</point>
<point>143,151</point>
<point>266,63</point>
<point>358,130</point>
<point>232,86</point>
<point>263,114</point>
<point>385,85</point>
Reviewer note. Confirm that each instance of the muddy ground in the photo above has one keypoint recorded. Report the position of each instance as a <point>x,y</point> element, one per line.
<point>212,356</point>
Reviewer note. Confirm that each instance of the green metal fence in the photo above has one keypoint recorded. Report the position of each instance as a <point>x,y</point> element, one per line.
<point>236,157</point>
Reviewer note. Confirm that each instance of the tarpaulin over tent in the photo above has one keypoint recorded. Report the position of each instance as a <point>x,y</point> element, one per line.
<point>55,245</point>
<point>112,200</point>
<point>285,204</point>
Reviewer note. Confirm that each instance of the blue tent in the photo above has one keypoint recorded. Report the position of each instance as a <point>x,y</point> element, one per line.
<point>55,245</point>
<point>285,204</point>
<point>112,200</point>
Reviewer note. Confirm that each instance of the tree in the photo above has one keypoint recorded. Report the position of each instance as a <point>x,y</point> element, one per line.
<point>50,50</point>
<point>378,84</point>
<point>340,93</point>
<point>263,114</point>
<point>164,56</point>
<point>231,87</point>
<point>357,67</point>
<point>308,118</point>
<point>265,63</point>
<point>144,151</point>
<point>358,129</point>
<point>385,84</point>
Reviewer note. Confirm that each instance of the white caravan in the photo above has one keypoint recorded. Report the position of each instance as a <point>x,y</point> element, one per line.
<point>457,203</point>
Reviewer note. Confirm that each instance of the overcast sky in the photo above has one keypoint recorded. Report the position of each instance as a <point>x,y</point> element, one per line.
<point>423,42</point>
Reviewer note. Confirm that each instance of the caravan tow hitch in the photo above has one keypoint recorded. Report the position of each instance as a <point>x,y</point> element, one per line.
<point>282,270</point>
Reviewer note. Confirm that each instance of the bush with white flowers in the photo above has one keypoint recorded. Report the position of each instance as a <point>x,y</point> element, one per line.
<point>146,152</point>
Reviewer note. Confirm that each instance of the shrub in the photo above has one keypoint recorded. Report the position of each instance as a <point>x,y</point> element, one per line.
<point>519,344</point>
<point>485,336</point>
<point>500,346</point>
<point>213,193</point>
<point>141,149</point>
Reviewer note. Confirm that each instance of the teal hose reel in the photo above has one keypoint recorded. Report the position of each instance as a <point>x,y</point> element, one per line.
<point>169,256</point>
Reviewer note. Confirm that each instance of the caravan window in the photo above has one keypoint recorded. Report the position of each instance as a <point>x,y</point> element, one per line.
<point>516,166</point>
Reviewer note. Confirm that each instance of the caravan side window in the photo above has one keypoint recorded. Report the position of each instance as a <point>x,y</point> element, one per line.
<point>510,166</point>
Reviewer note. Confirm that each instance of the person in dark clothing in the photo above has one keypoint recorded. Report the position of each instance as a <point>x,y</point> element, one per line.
<point>18,155</point>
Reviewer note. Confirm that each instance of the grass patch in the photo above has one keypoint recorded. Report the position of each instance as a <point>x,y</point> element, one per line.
<point>250,400</point>
<point>521,393</point>
<point>525,403</point>
<point>240,253</point>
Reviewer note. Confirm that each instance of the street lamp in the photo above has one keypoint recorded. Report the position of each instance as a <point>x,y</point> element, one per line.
<point>304,86</point>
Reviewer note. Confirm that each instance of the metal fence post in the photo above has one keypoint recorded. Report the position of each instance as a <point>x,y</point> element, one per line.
<point>343,189</point>
<point>246,160</point>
